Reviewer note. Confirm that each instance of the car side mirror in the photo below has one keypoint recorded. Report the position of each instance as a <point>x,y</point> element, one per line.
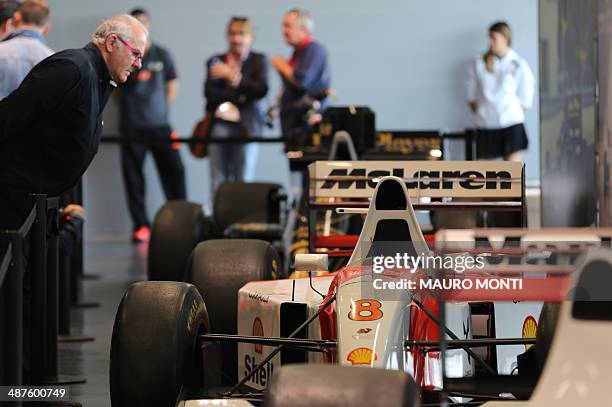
<point>311,262</point>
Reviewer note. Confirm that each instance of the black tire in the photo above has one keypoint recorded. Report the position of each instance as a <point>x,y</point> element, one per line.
<point>340,386</point>
<point>547,325</point>
<point>154,348</point>
<point>244,202</point>
<point>177,229</point>
<point>219,268</point>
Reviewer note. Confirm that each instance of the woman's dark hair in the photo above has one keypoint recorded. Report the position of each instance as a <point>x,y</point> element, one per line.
<point>503,28</point>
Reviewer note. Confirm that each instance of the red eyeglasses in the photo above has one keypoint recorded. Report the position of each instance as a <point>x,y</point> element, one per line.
<point>135,53</point>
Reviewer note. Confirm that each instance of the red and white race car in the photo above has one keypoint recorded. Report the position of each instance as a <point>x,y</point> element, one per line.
<point>413,330</point>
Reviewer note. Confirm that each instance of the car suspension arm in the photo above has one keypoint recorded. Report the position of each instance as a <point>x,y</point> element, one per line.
<point>316,345</point>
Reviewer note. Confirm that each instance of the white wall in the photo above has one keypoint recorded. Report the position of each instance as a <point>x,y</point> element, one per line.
<point>404,58</point>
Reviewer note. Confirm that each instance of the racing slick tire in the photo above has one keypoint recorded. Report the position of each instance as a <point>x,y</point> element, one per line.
<point>154,346</point>
<point>325,385</point>
<point>547,324</point>
<point>246,202</point>
<point>177,229</point>
<point>219,268</point>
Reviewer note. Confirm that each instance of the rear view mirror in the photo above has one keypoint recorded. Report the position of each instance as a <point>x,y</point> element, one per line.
<point>311,262</point>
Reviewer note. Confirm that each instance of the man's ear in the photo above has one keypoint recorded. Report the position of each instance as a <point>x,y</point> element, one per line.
<point>109,44</point>
<point>46,29</point>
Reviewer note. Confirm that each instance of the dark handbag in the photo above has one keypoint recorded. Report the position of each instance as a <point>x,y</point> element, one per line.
<point>201,131</point>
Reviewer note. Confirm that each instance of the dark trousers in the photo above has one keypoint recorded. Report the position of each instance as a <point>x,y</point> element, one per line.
<point>169,166</point>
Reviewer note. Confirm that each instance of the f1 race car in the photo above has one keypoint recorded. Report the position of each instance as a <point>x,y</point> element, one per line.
<point>176,342</point>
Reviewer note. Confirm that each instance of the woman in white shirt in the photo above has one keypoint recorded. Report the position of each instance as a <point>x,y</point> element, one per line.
<point>500,89</point>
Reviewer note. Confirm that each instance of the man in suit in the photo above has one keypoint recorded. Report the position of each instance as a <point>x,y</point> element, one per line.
<point>236,81</point>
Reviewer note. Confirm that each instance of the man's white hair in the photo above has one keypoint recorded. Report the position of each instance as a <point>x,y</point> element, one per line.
<point>122,25</point>
<point>304,19</point>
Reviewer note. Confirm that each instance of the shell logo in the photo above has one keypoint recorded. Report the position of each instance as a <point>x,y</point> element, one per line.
<point>361,356</point>
<point>258,331</point>
<point>530,327</point>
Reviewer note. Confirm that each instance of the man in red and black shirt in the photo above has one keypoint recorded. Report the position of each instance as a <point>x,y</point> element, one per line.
<point>306,76</point>
<point>144,105</point>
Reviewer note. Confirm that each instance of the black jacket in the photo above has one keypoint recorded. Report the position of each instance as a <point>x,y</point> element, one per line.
<point>50,126</point>
<point>253,87</point>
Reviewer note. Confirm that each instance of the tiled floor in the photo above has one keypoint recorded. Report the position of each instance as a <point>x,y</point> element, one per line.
<point>117,264</point>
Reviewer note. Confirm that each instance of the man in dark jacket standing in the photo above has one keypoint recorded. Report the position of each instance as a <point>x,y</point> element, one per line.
<point>50,126</point>
<point>235,83</point>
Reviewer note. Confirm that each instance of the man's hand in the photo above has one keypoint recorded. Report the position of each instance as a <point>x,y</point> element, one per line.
<point>284,69</point>
<point>222,71</point>
<point>278,62</point>
<point>74,210</point>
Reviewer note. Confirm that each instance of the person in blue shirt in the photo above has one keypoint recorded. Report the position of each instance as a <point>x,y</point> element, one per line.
<point>144,105</point>
<point>25,46</point>
<point>306,75</point>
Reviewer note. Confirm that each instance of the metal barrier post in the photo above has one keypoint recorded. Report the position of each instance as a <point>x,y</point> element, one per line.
<point>12,292</point>
<point>38,292</point>
<point>64,296</point>
<point>51,365</point>
<point>470,138</point>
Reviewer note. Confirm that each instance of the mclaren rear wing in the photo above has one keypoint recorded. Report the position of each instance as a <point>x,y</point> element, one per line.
<point>501,181</point>
<point>432,185</point>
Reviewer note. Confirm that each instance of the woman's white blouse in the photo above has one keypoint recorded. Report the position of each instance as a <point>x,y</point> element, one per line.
<point>502,95</point>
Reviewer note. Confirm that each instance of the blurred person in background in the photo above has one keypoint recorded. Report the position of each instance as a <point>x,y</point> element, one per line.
<point>144,103</point>
<point>500,90</point>
<point>8,8</point>
<point>236,81</point>
<point>25,46</point>
<point>306,75</point>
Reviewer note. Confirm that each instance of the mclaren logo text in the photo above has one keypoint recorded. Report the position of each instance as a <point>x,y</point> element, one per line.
<point>421,179</point>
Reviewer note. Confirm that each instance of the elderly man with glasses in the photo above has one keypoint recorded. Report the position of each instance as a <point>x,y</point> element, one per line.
<point>50,126</point>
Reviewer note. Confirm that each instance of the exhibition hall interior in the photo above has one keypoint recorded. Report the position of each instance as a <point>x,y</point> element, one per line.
<point>292,204</point>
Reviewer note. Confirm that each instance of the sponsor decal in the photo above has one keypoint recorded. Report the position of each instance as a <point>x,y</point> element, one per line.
<point>361,356</point>
<point>365,310</point>
<point>469,180</point>
<point>156,66</point>
<point>144,76</point>
<point>193,311</point>
<point>530,328</point>
<point>263,374</point>
<point>258,331</point>
<point>362,333</point>
<point>259,297</point>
